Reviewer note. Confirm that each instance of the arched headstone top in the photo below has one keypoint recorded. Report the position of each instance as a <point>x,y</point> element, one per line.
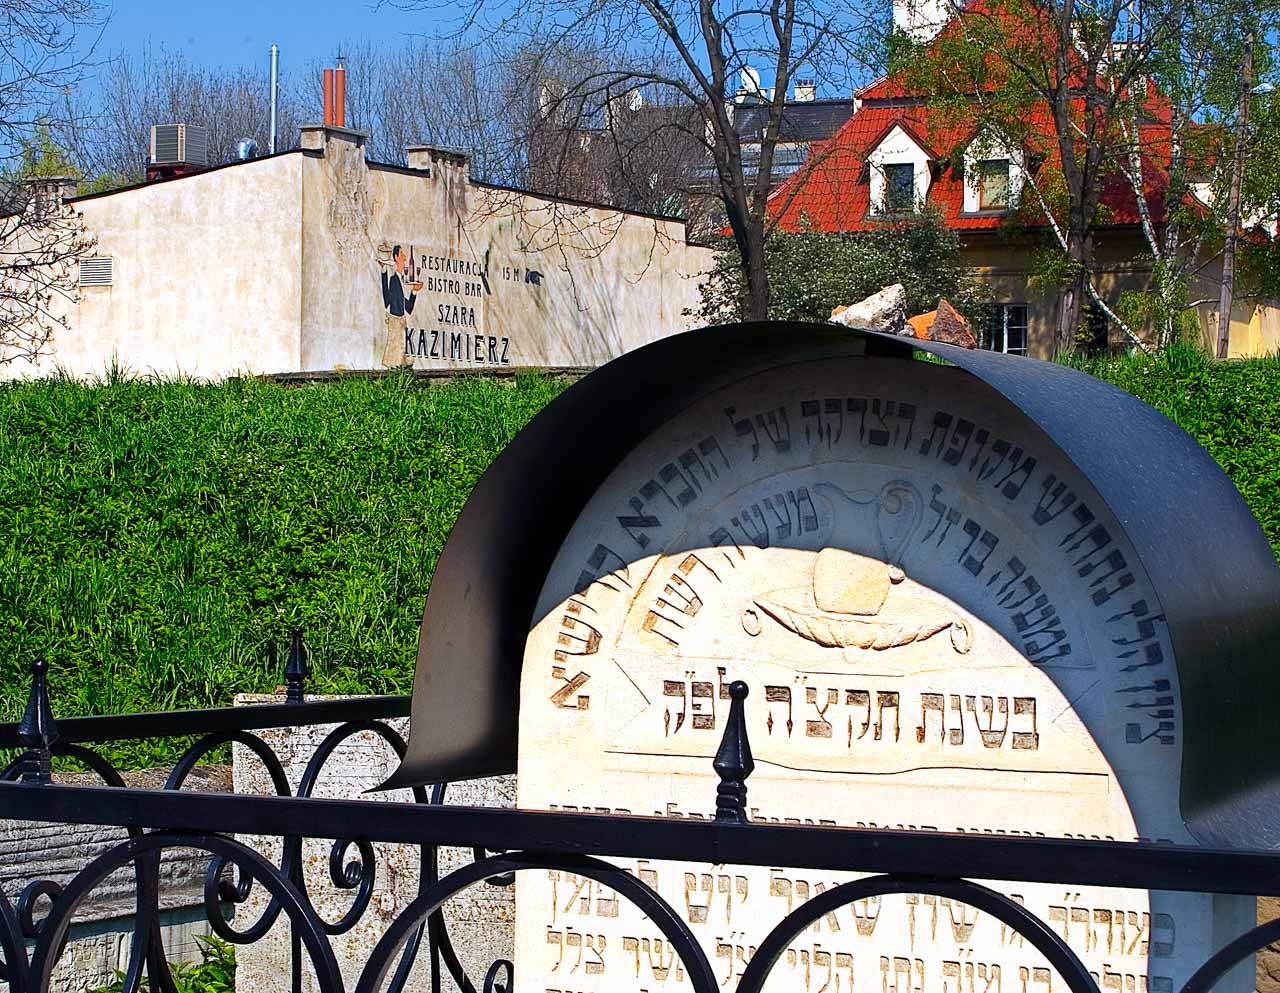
<point>1210,578</point>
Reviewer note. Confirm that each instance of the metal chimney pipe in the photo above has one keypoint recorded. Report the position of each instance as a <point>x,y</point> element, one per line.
<point>340,95</point>
<point>275,95</point>
<point>328,98</point>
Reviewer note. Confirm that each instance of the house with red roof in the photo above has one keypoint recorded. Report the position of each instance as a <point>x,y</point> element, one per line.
<point>897,152</point>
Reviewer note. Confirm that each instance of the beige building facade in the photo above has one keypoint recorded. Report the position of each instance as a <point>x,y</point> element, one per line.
<point>318,260</point>
<point>1024,315</point>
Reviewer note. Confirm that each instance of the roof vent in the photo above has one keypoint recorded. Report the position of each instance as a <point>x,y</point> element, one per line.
<point>96,271</point>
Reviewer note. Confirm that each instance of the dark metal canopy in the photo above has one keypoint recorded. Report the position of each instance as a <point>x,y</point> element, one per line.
<point>1207,558</point>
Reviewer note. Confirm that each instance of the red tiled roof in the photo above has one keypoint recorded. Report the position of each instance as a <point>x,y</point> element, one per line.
<point>832,191</point>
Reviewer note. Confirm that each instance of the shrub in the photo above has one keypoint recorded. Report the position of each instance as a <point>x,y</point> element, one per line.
<point>1231,408</point>
<point>214,973</point>
<point>812,272</point>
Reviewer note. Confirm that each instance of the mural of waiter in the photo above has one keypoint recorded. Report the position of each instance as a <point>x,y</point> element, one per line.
<point>398,304</point>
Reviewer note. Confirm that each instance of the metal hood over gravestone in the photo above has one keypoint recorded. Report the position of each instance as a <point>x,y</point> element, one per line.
<point>996,597</point>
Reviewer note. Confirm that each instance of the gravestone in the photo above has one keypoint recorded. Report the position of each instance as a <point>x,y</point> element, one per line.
<point>944,629</point>
<point>999,598</point>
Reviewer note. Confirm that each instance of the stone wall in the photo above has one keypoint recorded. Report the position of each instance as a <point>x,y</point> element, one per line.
<point>480,920</point>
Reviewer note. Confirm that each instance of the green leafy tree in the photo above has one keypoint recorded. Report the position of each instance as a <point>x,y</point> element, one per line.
<point>1091,92</point>
<point>812,272</point>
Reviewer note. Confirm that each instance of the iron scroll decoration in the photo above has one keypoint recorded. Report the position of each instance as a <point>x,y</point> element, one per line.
<point>1210,565</point>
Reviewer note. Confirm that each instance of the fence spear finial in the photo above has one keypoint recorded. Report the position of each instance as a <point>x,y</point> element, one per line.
<point>295,670</point>
<point>733,762</point>
<point>38,730</point>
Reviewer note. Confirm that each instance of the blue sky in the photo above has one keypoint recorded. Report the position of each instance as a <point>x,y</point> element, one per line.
<point>239,32</point>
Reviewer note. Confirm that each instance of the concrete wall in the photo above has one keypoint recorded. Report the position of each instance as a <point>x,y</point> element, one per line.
<point>206,277</point>
<point>277,265</point>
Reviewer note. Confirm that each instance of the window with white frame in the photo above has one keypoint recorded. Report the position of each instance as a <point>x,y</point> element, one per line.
<point>1003,328</point>
<point>994,174</point>
<point>899,187</point>
<point>993,188</point>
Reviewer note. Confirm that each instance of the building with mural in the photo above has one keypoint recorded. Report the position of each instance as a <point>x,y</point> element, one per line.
<point>317,259</point>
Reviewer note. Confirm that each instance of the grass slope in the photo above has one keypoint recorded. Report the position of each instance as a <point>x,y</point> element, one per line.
<point>161,538</point>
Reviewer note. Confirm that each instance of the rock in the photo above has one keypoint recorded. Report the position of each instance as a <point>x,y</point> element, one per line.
<point>950,328</point>
<point>1267,979</point>
<point>921,323</point>
<point>945,325</point>
<point>883,311</point>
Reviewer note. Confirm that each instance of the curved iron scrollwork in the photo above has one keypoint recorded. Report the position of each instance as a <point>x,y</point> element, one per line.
<point>43,910</point>
<point>659,912</point>
<point>302,918</point>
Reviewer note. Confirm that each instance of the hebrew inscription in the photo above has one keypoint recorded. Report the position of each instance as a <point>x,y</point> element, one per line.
<point>943,628</point>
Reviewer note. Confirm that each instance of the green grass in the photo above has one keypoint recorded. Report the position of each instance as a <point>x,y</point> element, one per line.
<point>160,538</point>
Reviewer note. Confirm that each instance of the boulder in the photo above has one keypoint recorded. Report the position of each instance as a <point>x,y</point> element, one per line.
<point>883,311</point>
<point>921,323</point>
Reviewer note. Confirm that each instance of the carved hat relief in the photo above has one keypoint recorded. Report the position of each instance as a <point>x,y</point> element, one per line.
<point>860,602</point>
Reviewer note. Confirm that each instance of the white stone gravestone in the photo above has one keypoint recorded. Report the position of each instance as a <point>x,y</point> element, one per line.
<point>943,629</point>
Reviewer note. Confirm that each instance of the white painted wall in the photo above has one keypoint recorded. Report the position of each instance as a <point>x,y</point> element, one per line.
<point>921,19</point>
<point>897,148</point>
<point>206,277</point>
<point>608,282</point>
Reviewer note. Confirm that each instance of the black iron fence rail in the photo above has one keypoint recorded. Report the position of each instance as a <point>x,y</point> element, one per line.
<point>218,720</point>
<point>927,854</point>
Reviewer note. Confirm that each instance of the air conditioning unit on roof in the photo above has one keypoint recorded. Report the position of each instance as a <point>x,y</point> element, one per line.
<point>179,144</point>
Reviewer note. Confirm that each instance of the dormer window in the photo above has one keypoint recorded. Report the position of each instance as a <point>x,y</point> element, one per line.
<point>993,194</point>
<point>993,176</point>
<point>900,187</point>
<point>898,173</point>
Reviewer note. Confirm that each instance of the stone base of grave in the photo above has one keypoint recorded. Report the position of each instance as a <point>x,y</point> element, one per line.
<point>99,941</point>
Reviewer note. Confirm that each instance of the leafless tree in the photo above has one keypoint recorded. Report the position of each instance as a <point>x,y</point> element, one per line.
<point>424,91</point>
<point>694,52</point>
<point>159,87</point>
<point>48,47</point>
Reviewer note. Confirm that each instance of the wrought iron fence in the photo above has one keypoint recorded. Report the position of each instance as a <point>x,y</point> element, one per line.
<point>505,842</point>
